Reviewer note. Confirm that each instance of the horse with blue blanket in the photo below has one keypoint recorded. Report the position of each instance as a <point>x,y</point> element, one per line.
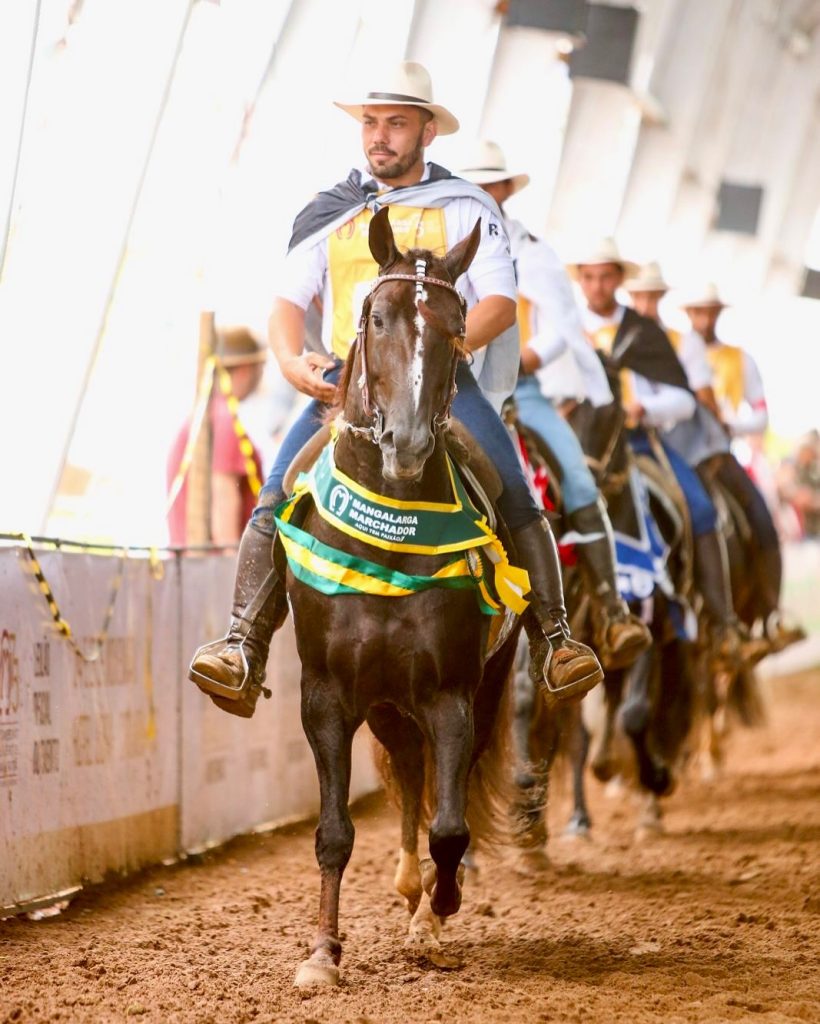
<point>652,701</point>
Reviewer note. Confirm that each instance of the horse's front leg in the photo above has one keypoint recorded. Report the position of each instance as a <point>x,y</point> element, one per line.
<point>448,722</point>
<point>330,733</point>
<point>404,742</point>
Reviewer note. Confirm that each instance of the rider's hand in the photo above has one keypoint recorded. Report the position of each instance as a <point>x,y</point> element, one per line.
<point>530,361</point>
<point>634,413</point>
<point>304,372</point>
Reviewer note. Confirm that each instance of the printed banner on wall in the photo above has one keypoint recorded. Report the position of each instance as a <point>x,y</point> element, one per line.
<point>119,762</point>
<point>88,770</point>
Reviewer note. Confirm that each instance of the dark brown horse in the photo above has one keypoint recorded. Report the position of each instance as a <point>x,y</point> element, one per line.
<point>414,667</point>
<point>651,702</point>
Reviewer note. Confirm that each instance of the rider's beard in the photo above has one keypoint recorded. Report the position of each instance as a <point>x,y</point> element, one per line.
<point>399,165</point>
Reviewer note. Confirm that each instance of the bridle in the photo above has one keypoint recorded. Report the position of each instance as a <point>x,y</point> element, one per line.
<point>420,279</point>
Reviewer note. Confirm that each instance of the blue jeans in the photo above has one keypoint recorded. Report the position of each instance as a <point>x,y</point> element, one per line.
<point>540,415</point>
<point>516,504</point>
<point>702,511</point>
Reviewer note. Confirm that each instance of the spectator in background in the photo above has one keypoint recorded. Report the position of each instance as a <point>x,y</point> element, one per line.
<point>232,499</point>
<point>800,484</point>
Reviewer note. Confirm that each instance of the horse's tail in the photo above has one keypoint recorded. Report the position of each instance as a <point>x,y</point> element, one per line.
<point>746,700</point>
<point>491,789</point>
<point>491,794</point>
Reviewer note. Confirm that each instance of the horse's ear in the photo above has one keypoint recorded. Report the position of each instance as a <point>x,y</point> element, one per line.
<point>382,243</point>
<point>459,258</point>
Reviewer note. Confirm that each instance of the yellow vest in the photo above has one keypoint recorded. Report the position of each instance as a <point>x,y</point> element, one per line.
<point>674,336</point>
<point>352,269</point>
<point>603,340</point>
<point>524,316</point>
<point>727,365</point>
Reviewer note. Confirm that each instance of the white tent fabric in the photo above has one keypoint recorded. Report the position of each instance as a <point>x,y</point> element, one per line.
<point>153,154</point>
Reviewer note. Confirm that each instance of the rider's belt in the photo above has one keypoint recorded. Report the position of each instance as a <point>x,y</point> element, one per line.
<point>420,528</point>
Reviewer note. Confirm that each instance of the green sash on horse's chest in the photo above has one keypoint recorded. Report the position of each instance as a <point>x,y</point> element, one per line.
<point>420,528</point>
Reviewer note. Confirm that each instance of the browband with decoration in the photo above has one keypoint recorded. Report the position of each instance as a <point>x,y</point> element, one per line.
<point>420,278</point>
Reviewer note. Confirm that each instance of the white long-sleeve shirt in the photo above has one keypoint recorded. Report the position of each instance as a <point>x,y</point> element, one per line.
<point>751,414</point>
<point>557,333</point>
<point>664,404</point>
<point>304,271</point>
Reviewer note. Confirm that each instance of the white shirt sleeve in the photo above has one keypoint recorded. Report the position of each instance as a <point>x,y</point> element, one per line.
<point>664,404</point>
<point>752,417</point>
<point>302,274</point>
<point>544,282</point>
<point>695,361</point>
<point>492,271</point>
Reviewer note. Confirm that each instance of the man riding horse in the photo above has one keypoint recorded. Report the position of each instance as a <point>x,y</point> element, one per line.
<point>549,326</point>
<point>329,258</point>
<point>726,380</point>
<point>655,394</point>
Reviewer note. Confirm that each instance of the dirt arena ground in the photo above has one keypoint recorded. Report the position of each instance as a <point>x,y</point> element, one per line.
<point>717,921</point>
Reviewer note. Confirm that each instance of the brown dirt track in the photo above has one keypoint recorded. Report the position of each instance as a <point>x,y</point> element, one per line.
<point>717,921</point>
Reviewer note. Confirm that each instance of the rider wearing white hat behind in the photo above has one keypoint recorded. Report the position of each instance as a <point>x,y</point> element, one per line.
<point>549,326</point>
<point>733,390</point>
<point>655,392</point>
<point>329,257</point>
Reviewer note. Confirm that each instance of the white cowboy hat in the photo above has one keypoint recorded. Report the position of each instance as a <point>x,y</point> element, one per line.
<point>406,84</point>
<point>648,279</point>
<point>605,250</point>
<point>702,296</point>
<point>486,165</point>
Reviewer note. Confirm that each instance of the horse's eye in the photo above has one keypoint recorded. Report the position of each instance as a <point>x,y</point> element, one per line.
<point>377,320</point>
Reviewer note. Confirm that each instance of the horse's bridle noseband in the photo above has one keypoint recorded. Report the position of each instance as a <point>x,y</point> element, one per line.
<point>420,279</point>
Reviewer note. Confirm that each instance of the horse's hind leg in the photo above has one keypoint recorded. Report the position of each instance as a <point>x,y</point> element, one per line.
<point>404,742</point>
<point>578,749</point>
<point>636,714</point>
<point>330,734</point>
<point>448,722</point>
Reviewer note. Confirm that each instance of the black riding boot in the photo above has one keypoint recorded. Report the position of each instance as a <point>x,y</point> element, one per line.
<point>232,670</point>
<point>563,666</point>
<point>712,581</point>
<point>769,575</point>
<point>619,636</point>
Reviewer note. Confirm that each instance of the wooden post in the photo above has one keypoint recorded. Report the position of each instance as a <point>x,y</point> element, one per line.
<point>198,501</point>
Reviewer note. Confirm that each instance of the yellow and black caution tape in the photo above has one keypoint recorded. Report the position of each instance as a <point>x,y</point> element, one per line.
<point>212,366</point>
<point>61,623</point>
<point>245,443</point>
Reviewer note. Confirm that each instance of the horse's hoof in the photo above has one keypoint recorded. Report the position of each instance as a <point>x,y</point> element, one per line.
<point>604,769</point>
<point>316,974</point>
<point>446,907</point>
<point>531,862</point>
<point>649,830</point>
<point>421,941</point>
<point>576,830</point>
<point>657,779</point>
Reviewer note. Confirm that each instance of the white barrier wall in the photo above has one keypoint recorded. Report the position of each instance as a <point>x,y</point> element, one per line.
<point>110,765</point>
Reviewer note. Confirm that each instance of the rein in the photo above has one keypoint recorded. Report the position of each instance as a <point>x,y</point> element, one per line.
<point>420,279</point>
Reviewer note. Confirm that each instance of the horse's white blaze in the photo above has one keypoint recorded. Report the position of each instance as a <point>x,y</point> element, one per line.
<point>417,365</point>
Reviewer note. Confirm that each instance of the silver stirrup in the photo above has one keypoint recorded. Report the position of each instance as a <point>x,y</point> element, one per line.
<point>212,686</point>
